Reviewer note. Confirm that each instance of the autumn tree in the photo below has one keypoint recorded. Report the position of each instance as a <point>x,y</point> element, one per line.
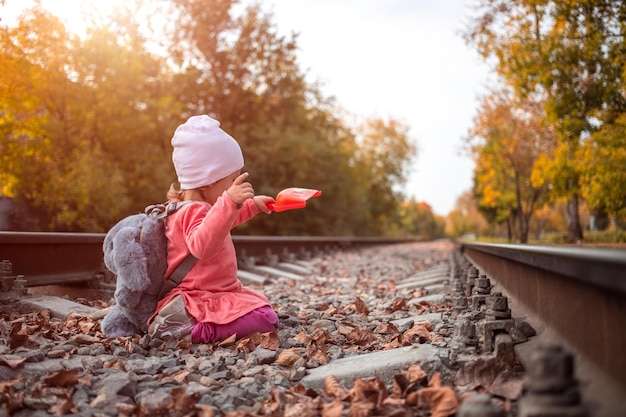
<point>418,220</point>
<point>465,218</point>
<point>33,84</point>
<point>98,151</point>
<point>507,138</point>
<point>603,178</point>
<point>87,120</point>
<point>571,52</point>
<point>382,161</point>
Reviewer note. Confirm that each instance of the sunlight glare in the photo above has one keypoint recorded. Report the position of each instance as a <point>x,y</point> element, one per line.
<point>73,13</point>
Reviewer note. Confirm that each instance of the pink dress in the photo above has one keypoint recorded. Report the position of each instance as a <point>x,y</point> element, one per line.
<point>211,289</point>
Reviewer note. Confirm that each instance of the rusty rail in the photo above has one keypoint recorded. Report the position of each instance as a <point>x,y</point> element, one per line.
<point>578,292</point>
<point>65,258</point>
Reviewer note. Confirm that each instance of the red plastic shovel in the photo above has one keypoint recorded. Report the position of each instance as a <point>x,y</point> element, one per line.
<point>293,198</point>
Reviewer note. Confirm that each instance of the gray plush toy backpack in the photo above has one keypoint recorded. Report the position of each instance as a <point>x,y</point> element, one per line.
<point>135,250</point>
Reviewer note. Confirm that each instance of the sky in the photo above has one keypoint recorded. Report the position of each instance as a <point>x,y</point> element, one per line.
<point>400,59</point>
<point>404,59</point>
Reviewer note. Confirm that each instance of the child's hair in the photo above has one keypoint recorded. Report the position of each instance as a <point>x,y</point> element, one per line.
<point>174,193</point>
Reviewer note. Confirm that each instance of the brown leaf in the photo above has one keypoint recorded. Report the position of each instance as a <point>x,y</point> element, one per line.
<point>361,408</point>
<point>399,304</point>
<point>18,338</point>
<point>399,384</point>
<point>182,401</point>
<point>493,374</point>
<point>85,339</point>
<point>412,398</point>
<point>441,400</point>
<point>62,407</point>
<point>332,409</point>
<point>205,410</point>
<point>345,329</point>
<point>301,409</point>
<point>303,338</point>
<point>435,380</point>
<point>178,377</point>
<point>246,345</point>
<point>373,390</point>
<point>415,374</point>
<point>333,387</point>
<point>419,333</point>
<point>63,378</point>
<point>287,357</point>
<point>387,328</point>
<point>126,410</point>
<point>12,361</point>
<point>86,325</point>
<point>321,336</point>
<point>115,364</point>
<point>361,336</point>
<point>395,407</point>
<point>13,400</point>
<point>360,306</point>
<point>319,354</point>
<point>270,341</point>
<point>229,340</point>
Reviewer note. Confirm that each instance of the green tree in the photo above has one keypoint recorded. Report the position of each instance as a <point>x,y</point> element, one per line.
<point>418,220</point>
<point>382,160</point>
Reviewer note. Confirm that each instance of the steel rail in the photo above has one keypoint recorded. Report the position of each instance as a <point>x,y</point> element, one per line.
<point>65,258</point>
<point>579,292</point>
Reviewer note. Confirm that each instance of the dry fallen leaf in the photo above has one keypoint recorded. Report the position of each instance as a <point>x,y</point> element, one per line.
<point>399,304</point>
<point>270,341</point>
<point>229,340</point>
<point>85,339</point>
<point>63,378</point>
<point>372,390</point>
<point>332,409</point>
<point>441,400</point>
<point>419,333</point>
<point>182,401</point>
<point>12,361</point>
<point>333,388</point>
<point>287,357</point>
<point>63,406</point>
<point>493,374</point>
<point>360,306</point>
<point>416,374</point>
<point>18,337</point>
<point>318,353</point>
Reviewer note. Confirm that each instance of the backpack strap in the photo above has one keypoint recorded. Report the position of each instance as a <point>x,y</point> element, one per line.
<point>161,211</point>
<point>178,275</point>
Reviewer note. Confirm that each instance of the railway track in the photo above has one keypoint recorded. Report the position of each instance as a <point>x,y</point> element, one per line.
<point>481,301</point>
<point>64,258</point>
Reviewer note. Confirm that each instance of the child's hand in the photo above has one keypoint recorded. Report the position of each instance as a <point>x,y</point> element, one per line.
<point>261,202</point>
<point>240,191</point>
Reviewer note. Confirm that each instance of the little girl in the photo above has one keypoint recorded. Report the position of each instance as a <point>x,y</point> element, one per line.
<point>210,303</point>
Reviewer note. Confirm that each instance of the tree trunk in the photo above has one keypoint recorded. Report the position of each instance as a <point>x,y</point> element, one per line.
<point>574,232</point>
<point>509,229</point>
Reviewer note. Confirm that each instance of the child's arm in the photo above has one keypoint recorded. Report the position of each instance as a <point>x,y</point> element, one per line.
<point>252,207</point>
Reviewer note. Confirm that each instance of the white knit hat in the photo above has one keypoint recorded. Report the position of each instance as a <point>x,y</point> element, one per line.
<point>204,153</point>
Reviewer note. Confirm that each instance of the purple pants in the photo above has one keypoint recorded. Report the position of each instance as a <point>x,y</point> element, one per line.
<point>263,320</point>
